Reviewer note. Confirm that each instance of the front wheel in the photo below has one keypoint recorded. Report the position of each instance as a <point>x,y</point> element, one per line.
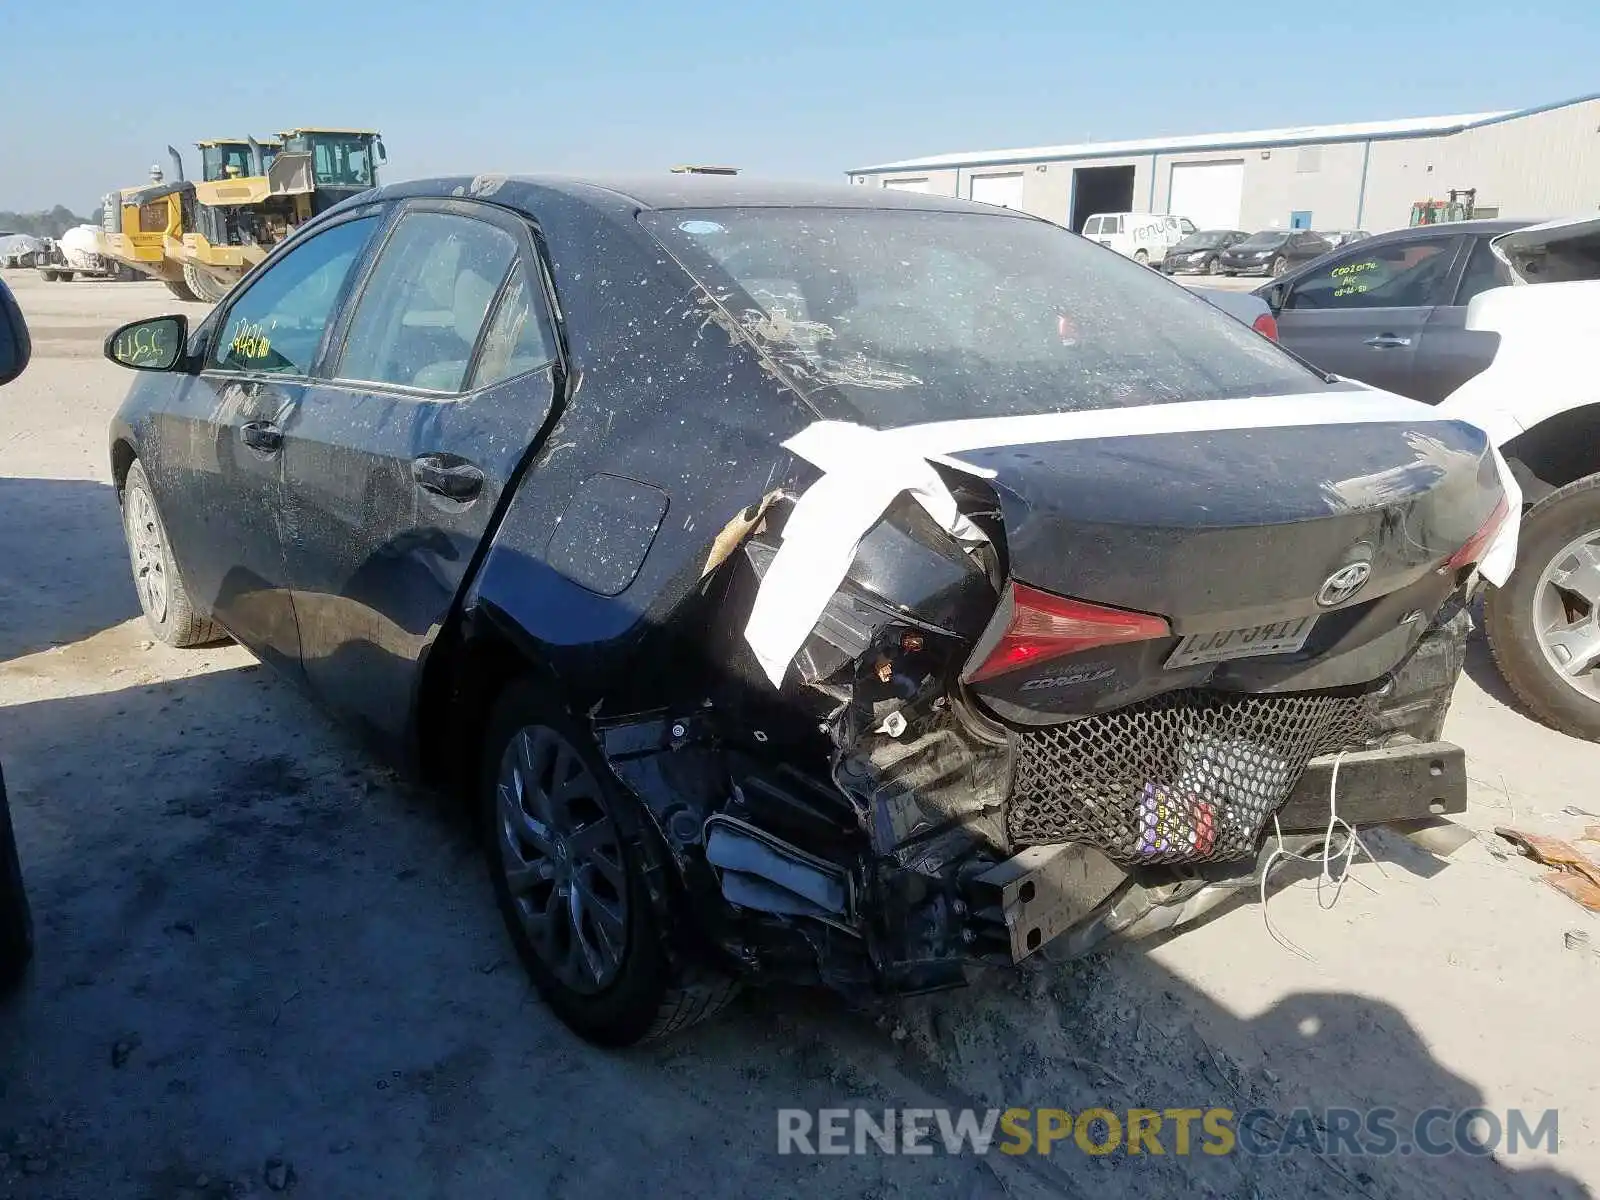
<point>205,284</point>
<point>1544,625</point>
<point>1279,266</point>
<point>1214,267</point>
<point>16,922</point>
<point>564,850</point>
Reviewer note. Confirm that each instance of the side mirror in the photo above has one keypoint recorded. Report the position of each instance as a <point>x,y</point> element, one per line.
<point>155,344</point>
<point>383,155</point>
<point>15,348</point>
<point>1276,295</point>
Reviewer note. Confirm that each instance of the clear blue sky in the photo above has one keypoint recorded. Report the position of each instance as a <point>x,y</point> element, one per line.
<point>92,91</point>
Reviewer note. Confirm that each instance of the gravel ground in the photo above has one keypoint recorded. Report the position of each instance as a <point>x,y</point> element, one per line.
<point>267,965</point>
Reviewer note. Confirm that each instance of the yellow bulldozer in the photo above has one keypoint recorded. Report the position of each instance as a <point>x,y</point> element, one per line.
<point>237,219</point>
<point>200,237</point>
<point>137,222</point>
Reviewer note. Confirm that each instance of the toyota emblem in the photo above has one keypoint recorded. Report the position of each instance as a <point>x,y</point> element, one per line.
<point>1343,584</point>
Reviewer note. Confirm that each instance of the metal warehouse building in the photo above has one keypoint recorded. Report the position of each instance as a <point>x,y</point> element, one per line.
<point>1534,162</point>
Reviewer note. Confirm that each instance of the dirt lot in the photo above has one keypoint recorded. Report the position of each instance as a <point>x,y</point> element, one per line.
<point>265,965</point>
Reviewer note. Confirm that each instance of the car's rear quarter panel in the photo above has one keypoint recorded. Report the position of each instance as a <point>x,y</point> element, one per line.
<point>662,394</point>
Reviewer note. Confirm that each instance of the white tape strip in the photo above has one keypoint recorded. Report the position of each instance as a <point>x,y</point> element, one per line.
<point>865,469</point>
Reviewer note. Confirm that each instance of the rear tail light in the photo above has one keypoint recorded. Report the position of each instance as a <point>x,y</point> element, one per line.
<point>1043,627</point>
<point>1267,326</point>
<point>1479,542</point>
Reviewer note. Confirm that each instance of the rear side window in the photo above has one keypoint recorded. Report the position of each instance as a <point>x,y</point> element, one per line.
<point>519,338</point>
<point>277,325</point>
<point>919,316</point>
<point>1407,275</point>
<point>1484,271</point>
<point>426,301</point>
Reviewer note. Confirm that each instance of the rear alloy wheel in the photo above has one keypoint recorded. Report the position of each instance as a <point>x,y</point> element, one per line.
<point>564,857</point>
<point>1544,625</point>
<point>162,596</point>
<point>205,284</point>
<point>1279,266</point>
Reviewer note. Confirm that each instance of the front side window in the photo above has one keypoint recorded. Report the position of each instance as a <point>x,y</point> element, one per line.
<point>916,316</point>
<point>429,294</point>
<point>1091,226</point>
<point>277,325</point>
<point>338,160</point>
<point>1408,275</point>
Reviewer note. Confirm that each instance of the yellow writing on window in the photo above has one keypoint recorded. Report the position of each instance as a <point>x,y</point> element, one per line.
<point>251,341</point>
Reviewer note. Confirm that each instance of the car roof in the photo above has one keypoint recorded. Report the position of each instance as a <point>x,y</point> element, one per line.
<point>1485,227</point>
<point>670,191</point>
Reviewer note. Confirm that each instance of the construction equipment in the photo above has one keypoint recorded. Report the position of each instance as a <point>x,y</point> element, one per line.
<point>238,218</point>
<point>137,223</point>
<point>1460,205</point>
<point>78,254</point>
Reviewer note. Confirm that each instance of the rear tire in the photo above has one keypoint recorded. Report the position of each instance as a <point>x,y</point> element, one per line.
<point>180,289</point>
<point>50,276</point>
<point>563,846</point>
<point>206,286</point>
<point>1515,614</point>
<point>1142,257</point>
<point>163,599</point>
<point>16,921</point>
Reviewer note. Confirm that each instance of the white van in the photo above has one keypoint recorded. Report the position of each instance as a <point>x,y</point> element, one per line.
<point>1143,237</point>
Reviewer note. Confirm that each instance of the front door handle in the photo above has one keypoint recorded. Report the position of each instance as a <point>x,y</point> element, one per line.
<point>1387,341</point>
<point>263,436</point>
<point>453,479</point>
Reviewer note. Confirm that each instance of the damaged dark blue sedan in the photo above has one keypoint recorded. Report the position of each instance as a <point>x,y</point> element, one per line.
<point>807,583</point>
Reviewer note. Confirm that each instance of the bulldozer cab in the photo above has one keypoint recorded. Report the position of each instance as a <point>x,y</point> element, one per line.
<point>342,160</point>
<point>231,159</point>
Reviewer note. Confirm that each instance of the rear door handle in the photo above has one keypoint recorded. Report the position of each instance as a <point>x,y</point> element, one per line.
<point>1387,341</point>
<point>454,480</point>
<point>263,436</point>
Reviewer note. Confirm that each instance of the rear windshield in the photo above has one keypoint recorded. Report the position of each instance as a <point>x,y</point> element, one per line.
<point>929,316</point>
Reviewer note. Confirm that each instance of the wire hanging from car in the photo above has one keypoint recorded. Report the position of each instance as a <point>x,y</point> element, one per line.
<point>1326,876</point>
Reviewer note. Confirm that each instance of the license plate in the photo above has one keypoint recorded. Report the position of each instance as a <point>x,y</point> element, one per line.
<point>1280,637</point>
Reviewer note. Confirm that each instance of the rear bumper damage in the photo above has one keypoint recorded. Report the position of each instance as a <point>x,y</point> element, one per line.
<point>911,865</point>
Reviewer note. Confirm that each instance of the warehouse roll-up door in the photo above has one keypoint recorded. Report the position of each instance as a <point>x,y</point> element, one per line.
<point>1208,193</point>
<point>1004,190</point>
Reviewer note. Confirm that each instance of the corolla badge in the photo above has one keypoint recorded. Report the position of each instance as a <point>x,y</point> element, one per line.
<point>1343,584</point>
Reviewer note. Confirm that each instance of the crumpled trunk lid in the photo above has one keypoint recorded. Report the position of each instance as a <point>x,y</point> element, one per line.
<point>1228,531</point>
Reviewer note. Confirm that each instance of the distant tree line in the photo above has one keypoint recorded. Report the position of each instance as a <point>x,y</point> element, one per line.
<point>51,224</point>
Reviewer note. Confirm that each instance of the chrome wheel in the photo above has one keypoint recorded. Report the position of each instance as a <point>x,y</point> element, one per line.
<point>561,858</point>
<point>1566,614</point>
<point>149,555</point>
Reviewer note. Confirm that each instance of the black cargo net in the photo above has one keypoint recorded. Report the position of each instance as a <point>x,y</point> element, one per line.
<point>1186,776</point>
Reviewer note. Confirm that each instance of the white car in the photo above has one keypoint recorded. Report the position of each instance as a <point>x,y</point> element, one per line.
<point>1143,237</point>
<point>1539,399</point>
